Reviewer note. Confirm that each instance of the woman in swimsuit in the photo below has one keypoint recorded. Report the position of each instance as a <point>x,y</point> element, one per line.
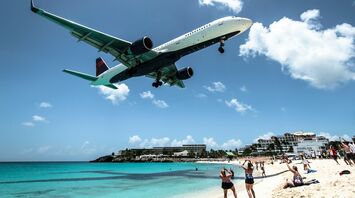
<point>297,178</point>
<point>226,182</point>
<point>249,179</point>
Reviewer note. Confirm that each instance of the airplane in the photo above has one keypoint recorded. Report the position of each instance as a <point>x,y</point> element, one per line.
<point>140,58</point>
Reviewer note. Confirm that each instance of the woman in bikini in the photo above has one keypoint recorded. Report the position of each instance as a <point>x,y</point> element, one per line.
<point>226,176</point>
<point>296,179</point>
<point>249,179</point>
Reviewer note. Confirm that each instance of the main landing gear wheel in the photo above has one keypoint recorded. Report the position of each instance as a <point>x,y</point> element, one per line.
<point>221,50</point>
<point>157,84</point>
<point>221,44</point>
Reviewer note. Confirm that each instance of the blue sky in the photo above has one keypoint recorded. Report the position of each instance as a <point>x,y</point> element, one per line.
<point>294,70</point>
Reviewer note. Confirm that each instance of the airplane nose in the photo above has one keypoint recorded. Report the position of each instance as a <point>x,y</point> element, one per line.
<point>248,22</point>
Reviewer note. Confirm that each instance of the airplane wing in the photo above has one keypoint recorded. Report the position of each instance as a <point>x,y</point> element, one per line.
<point>168,75</point>
<point>102,41</point>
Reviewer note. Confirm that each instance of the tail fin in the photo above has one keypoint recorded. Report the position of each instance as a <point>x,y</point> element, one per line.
<point>101,66</point>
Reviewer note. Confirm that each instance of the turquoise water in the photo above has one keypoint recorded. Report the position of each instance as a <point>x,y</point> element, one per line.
<point>129,180</point>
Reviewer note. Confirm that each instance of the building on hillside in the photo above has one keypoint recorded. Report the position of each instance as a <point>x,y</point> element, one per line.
<point>310,146</point>
<point>166,150</point>
<point>295,142</point>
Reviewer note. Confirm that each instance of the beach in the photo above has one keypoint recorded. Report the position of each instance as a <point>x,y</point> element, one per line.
<point>331,184</point>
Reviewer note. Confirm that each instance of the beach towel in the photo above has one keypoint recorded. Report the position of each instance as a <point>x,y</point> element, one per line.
<point>310,171</point>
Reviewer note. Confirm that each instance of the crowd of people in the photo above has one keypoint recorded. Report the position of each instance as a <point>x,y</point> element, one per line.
<point>346,148</point>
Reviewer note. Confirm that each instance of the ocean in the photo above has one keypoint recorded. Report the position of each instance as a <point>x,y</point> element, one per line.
<point>126,180</point>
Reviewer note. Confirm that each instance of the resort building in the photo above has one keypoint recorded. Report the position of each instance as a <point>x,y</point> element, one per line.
<point>197,149</point>
<point>291,142</point>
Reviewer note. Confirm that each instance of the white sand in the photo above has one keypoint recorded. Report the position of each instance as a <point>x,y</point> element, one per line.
<point>331,183</point>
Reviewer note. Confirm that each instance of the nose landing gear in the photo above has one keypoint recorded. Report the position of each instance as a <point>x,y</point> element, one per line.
<point>221,44</point>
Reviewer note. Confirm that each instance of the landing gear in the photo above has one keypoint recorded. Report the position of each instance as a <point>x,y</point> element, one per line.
<point>221,44</point>
<point>157,82</point>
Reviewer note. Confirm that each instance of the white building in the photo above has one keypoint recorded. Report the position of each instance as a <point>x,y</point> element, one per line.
<point>184,153</point>
<point>309,146</point>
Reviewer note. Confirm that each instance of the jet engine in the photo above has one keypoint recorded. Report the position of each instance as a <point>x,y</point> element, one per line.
<point>185,73</point>
<point>141,46</point>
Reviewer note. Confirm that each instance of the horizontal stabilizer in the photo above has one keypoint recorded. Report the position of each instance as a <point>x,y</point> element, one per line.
<point>81,75</point>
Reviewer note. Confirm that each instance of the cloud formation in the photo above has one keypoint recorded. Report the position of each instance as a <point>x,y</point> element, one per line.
<point>335,137</point>
<point>216,87</point>
<point>238,106</point>
<point>265,136</point>
<point>187,140</point>
<point>146,95</point>
<point>243,88</point>
<point>134,139</point>
<point>114,95</point>
<point>165,141</point>
<point>230,144</point>
<point>323,58</point>
<point>28,124</point>
<point>158,103</point>
<point>233,5</point>
<point>38,118</point>
<point>45,105</point>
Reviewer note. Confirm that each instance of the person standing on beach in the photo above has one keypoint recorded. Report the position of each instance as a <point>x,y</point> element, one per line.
<point>262,167</point>
<point>226,182</point>
<point>334,153</point>
<point>347,156</point>
<point>352,149</point>
<point>249,179</point>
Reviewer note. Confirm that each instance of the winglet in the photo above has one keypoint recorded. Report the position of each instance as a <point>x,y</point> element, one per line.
<point>33,8</point>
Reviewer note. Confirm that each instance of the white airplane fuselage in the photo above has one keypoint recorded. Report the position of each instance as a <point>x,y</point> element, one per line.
<point>204,36</point>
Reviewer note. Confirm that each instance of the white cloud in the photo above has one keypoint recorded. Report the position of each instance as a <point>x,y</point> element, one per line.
<point>234,5</point>
<point>38,118</point>
<point>114,95</point>
<point>43,149</point>
<point>134,139</point>
<point>232,144</point>
<point>45,105</point>
<point>146,143</point>
<point>216,87</point>
<point>201,95</point>
<point>147,95</point>
<point>243,88</point>
<point>335,137</point>
<point>238,106</point>
<point>210,142</point>
<point>187,140</point>
<point>165,141</point>
<point>28,124</point>
<point>265,136</point>
<point>310,17</point>
<point>160,103</point>
<point>323,58</point>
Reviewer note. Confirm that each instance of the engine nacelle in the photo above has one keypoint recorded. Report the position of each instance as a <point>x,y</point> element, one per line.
<point>141,46</point>
<point>185,73</point>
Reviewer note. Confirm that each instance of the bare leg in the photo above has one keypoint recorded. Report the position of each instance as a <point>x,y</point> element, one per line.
<point>225,193</point>
<point>234,193</point>
<point>250,194</point>
<point>252,190</point>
